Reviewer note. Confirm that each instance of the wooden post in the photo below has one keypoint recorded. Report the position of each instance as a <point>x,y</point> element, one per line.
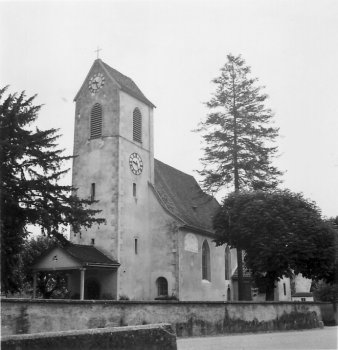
<point>82,279</point>
<point>34,284</point>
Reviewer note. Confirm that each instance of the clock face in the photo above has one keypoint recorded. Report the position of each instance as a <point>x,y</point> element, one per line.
<point>135,163</point>
<point>96,82</point>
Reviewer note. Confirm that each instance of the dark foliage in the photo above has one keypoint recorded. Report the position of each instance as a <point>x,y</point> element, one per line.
<point>281,232</point>
<point>326,292</point>
<point>31,167</point>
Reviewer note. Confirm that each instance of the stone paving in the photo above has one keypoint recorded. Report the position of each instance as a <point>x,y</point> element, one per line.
<point>317,339</point>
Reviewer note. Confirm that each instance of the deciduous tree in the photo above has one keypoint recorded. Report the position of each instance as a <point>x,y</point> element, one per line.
<point>282,234</point>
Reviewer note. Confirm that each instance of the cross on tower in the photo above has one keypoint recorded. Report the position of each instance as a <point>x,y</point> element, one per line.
<point>98,51</point>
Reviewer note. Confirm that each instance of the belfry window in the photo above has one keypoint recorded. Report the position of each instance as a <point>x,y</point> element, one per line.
<point>137,125</point>
<point>162,286</point>
<point>96,121</point>
<point>206,261</point>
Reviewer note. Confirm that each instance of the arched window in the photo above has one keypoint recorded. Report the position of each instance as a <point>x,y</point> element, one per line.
<point>162,286</point>
<point>227,263</point>
<point>137,125</point>
<point>206,261</point>
<point>96,121</point>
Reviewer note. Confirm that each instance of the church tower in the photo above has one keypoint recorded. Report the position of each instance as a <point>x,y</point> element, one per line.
<point>114,164</point>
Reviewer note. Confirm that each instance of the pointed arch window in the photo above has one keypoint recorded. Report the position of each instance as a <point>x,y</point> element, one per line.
<point>206,261</point>
<point>137,125</point>
<point>96,121</point>
<point>162,286</point>
<point>227,263</point>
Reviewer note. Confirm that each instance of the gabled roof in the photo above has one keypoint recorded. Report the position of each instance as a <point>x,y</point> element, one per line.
<point>84,255</point>
<point>302,294</point>
<point>88,254</point>
<point>127,84</point>
<point>124,83</point>
<point>181,195</point>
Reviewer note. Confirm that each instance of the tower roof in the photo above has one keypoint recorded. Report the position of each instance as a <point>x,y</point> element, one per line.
<point>182,196</point>
<point>127,84</point>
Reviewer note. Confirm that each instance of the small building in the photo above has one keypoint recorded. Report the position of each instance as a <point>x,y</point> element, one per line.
<point>302,296</point>
<point>75,260</point>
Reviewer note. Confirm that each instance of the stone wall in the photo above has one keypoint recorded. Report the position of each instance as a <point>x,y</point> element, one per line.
<point>20,316</point>
<point>151,337</point>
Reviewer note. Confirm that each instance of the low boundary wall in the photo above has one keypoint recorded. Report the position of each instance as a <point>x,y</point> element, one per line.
<point>151,337</point>
<point>21,316</point>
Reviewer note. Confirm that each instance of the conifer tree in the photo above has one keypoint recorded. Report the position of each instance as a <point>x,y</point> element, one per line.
<point>239,137</point>
<point>31,167</point>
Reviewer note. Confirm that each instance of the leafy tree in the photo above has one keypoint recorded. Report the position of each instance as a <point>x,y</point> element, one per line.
<point>31,167</point>
<point>281,232</point>
<point>239,137</point>
<point>325,292</point>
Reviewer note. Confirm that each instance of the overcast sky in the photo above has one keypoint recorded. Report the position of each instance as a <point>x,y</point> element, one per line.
<point>172,50</point>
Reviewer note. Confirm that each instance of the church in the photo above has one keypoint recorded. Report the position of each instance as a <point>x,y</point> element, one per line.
<point>157,242</point>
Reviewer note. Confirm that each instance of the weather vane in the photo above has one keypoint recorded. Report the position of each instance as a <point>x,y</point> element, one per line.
<point>98,51</point>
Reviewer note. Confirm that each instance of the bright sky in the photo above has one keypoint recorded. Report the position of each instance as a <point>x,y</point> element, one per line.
<point>172,50</point>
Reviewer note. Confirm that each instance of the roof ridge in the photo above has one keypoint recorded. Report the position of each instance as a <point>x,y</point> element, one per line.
<point>126,83</point>
<point>126,76</point>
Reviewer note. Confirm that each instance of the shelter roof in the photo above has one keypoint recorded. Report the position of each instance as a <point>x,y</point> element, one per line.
<point>81,255</point>
<point>181,195</point>
<point>88,254</point>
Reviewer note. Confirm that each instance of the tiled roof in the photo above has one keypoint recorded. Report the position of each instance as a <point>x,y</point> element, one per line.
<point>303,294</point>
<point>127,84</point>
<point>88,254</point>
<point>182,197</point>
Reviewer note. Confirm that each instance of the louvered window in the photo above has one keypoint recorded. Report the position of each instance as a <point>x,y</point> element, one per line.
<point>96,121</point>
<point>137,125</point>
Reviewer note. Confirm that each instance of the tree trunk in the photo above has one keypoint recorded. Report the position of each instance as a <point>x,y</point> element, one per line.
<point>236,185</point>
<point>240,274</point>
<point>270,289</point>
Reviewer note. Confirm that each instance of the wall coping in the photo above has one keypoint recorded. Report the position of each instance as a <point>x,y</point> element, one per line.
<point>153,302</point>
<point>92,331</point>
